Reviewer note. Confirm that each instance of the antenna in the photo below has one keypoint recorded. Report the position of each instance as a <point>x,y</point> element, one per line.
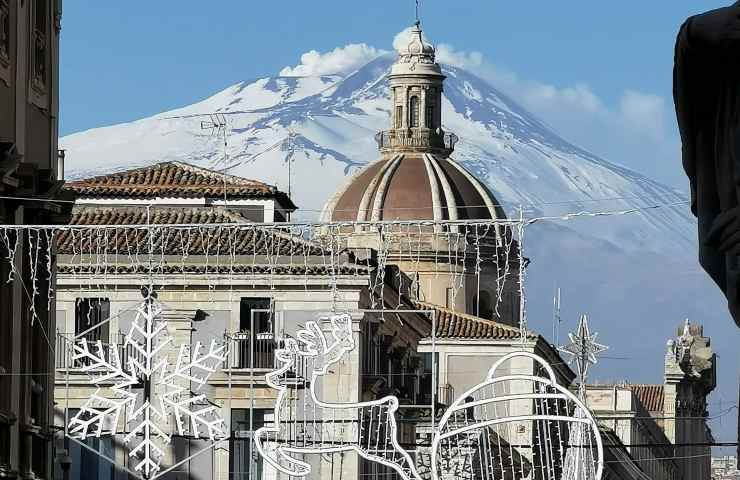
<point>217,125</point>
<point>291,153</point>
<point>556,320</point>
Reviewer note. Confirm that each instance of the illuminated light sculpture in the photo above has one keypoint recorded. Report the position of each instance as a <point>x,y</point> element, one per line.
<point>514,426</point>
<point>510,426</point>
<point>149,391</point>
<point>584,352</point>
<point>367,428</point>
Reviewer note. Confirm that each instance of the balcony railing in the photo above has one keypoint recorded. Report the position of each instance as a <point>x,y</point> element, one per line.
<point>254,352</point>
<point>445,396</point>
<point>414,139</point>
<point>65,352</point>
<point>249,353</point>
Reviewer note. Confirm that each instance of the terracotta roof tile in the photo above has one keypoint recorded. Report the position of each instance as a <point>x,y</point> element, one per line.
<point>652,397</point>
<point>451,324</point>
<point>227,240</point>
<point>238,269</point>
<point>175,179</point>
<point>127,215</point>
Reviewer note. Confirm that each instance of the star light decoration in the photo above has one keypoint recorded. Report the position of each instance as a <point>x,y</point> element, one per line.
<point>584,350</point>
<point>149,391</point>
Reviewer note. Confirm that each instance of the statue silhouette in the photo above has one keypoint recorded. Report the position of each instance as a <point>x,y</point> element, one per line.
<point>707,97</point>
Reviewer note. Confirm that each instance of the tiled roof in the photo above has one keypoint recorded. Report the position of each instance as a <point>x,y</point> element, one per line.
<point>652,397</point>
<point>451,324</point>
<point>114,215</point>
<point>175,179</point>
<point>201,269</point>
<point>237,240</point>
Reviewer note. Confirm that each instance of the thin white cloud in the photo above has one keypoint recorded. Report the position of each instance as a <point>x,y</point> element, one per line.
<point>448,55</point>
<point>645,111</point>
<point>340,61</point>
<point>403,38</point>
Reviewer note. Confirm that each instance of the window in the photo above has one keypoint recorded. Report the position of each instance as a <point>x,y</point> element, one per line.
<point>90,313</point>
<point>256,340</point>
<point>5,24</point>
<point>4,33</point>
<point>430,116</point>
<point>399,116</point>
<point>244,462</point>
<point>255,313</point>
<point>482,305</point>
<point>429,378</point>
<point>86,463</point>
<point>40,44</point>
<point>414,107</point>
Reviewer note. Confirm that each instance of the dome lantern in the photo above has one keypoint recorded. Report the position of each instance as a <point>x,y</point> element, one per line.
<point>416,82</point>
<point>415,178</point>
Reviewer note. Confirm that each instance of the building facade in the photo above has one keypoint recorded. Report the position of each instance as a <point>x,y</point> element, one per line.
<point>725,468</point>
<point>264,289</point>
<point>30,173</point>
<point>663,427</point>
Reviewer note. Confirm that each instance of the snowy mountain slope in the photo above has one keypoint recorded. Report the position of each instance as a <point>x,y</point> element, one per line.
<point>635,274</point>
<point>333,120</point>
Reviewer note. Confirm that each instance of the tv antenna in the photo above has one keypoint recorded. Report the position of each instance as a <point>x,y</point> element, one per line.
<point>217,124</point>
<point>556,320</point>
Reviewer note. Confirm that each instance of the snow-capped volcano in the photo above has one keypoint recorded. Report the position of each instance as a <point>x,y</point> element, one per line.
<point>327,124</point>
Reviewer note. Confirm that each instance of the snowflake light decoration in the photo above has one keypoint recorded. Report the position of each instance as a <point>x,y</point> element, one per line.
<point>149,390</point>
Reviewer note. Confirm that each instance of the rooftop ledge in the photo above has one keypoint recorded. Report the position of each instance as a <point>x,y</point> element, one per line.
<point>416,140</point>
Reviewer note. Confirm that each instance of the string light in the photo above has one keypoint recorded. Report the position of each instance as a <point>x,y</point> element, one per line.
<point>100,254</point>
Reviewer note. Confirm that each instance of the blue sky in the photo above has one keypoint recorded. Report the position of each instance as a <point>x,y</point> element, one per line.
<point>122,61</point>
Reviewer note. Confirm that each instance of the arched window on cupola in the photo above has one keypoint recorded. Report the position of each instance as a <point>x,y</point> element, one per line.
<point>399,116</point>
<point>430,113</point>
<point>414,111</point>
<point>430,116</point>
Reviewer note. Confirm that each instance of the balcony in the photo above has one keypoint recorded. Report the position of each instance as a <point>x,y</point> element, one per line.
<point>65,362</point>
<point>416,140</point>
<point>445,396</point>
<point>251,357</point>
<point>252,352</point>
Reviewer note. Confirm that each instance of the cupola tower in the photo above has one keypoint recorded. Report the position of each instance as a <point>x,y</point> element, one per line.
<point>416,84</point>
<point>415,179</point>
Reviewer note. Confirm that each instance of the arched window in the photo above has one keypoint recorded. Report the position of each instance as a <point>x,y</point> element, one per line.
<point>399,116</point>
<point>430,113</point>
<point>414,111</point>
<point>483,305</point>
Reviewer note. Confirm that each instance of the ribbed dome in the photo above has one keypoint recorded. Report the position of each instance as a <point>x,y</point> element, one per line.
<point>413,186</point>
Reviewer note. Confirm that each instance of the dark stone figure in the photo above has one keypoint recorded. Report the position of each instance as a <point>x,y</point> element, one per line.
<point>707,95</point>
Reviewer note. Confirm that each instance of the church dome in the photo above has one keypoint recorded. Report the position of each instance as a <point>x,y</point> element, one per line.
<point>413,186</point>
<point>415,178</point>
